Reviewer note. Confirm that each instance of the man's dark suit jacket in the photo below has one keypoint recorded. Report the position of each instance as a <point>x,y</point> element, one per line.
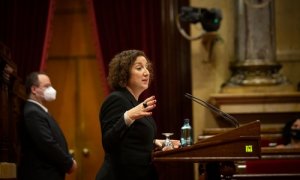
<point>127,149</point>
<point>44,151</point>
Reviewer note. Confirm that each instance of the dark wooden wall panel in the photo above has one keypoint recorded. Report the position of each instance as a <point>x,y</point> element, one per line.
<point>12,96</point>
<point>175,80</point>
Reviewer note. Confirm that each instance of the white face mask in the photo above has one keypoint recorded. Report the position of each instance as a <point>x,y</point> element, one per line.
<point>50,94</point>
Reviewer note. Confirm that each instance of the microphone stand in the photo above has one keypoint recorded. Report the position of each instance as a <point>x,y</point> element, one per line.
<point>213,109</point>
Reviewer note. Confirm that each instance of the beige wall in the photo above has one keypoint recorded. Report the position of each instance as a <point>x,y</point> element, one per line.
<point>288,35</point>
<point>208,76</point>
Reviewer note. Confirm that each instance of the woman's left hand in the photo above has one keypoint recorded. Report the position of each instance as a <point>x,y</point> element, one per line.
<point>143,109</point>
<point>176,143</point>
<point>160,143</point>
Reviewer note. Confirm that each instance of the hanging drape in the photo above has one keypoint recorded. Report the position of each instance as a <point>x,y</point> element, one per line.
<point>122,25</point>
<point>148,26</point>
<point>128,24</point>
<point>131,24</point>
<point>25,30</point>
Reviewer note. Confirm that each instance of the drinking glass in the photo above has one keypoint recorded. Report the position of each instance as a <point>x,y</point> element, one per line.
<point>168,145</point>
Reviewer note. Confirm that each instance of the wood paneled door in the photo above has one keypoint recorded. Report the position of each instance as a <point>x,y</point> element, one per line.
<point>75,74</point>
<point>76,109</point>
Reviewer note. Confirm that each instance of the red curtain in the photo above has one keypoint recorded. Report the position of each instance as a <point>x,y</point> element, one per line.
<point>129,24</point>
<point>25,27</point>
<point>148,26</point>
<point>122,25</point>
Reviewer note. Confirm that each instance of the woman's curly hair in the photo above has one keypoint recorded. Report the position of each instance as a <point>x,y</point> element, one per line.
<point>120,66</point>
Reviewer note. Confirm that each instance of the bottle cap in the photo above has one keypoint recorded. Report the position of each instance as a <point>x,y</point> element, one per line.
<point>186,120</point>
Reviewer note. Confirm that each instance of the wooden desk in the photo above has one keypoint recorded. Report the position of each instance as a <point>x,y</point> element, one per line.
<point>289,158</point>
<point>280,153</point>
<point>275,163</point>
<point>229,146</point>
<point>237,144</point>
<point>242,143</point>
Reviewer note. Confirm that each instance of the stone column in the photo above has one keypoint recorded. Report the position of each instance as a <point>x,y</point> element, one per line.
<point>256,68</point>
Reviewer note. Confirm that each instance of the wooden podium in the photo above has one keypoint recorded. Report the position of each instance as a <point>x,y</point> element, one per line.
<point>242,143</point>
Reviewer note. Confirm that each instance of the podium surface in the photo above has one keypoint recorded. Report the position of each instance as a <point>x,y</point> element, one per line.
<point>241,143</point>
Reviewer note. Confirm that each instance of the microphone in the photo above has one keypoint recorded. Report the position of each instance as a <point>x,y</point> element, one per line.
<point>212,108</point>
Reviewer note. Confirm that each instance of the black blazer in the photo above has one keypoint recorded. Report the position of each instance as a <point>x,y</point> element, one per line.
<point>44,151</point>
<point>127,149</point>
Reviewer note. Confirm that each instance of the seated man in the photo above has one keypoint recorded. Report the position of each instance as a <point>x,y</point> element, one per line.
<point>291,134</point>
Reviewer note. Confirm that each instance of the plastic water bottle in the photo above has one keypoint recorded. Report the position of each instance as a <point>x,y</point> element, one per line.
<point>186,134</point>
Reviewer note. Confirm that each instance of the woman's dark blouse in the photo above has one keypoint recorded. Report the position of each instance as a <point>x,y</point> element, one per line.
<point>127,148</point>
